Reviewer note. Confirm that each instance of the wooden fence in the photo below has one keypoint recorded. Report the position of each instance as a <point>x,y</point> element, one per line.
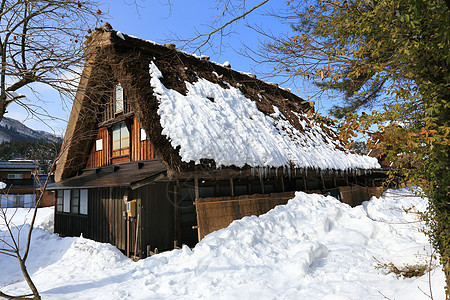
<point>355,195</point>
<point>218,212</point>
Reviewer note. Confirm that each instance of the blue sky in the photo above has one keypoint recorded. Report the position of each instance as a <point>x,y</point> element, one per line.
<point>155,20</point>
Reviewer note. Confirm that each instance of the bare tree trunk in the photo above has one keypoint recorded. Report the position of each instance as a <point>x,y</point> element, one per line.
<point>27,277</point>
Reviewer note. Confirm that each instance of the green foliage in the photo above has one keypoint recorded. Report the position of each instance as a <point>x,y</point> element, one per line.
<point>392,55</point>
<point>360,147</point>
<point>42,152</point>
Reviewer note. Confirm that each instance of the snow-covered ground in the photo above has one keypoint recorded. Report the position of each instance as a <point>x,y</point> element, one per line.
<point>312,248</point>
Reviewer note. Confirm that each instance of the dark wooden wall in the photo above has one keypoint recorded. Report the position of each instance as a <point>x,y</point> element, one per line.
<point>156,222</point>
<point>104,221</point>
<point>166,211</point>
<point>25,174</point>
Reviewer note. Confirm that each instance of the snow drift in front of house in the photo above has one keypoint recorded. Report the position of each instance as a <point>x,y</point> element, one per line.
<point>312,248</point>
<point>211,122</point>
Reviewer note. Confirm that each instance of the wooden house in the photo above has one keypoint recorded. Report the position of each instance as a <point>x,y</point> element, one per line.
<point>163,147</point>
<point>22,183</point>
<point>18,175</point>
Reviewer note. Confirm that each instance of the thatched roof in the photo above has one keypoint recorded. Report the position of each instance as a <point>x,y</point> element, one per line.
<point>199,115</point>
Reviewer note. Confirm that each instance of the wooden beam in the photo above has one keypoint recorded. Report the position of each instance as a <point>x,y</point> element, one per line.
<point>282,184</point>
<point>147,181</point>
<point>323,181</point>
<point>261,180</point>
<point>196,187</point>
<point>232,187</point>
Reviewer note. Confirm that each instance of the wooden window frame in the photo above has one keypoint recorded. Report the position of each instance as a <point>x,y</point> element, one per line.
<point>74,201</point>
<point>122,148</point>
<point>15,176</point>
<point>59,200</point>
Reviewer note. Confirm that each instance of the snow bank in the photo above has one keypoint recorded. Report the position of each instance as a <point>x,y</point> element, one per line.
<point>211,122</point>
<point>20,216</point>
<point>312,248</point>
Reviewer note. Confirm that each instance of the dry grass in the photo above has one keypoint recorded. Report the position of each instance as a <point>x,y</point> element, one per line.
<point>407,271</point>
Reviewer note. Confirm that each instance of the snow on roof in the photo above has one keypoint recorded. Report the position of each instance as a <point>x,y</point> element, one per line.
<point>211,122</point>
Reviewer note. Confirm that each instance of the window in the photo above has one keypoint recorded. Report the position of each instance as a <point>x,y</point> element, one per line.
<point>119,98</point>
<point>59,200</point>
<point>83,202</point>
<point>99,145</point>
<point>75,201</point>
<point>15,176</point>
<point>120,136</point>
<point>66,203</point>
<point>143,134</point>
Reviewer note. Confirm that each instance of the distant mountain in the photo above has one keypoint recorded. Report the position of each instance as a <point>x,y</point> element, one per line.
<point>14,131</point>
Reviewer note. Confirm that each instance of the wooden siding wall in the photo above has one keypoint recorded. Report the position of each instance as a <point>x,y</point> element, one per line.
<point>103,157</point>
<point>156,222</point>
<point>140,150</point>
<point>25,174</point>
<point>218,212</point>
<point>109,109</point>
<point>104,222</point>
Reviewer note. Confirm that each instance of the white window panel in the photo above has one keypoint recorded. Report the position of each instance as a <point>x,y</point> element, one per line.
<point>120,136</point>
<point>99,145</point>
<point>119,98</point>
<point>83,202</point>
<point>66,204</point>
<point>143,134</point>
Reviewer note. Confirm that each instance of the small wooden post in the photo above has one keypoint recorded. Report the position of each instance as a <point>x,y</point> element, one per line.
<point>137,235</point>
<point>196,206</point>
<point>334,180</point>
<point>232,187</point>
<point>128,236</point>
<point>196,187</point>
<point>262,184</point>
<point>304,183</point>
<point>176,213</point>
<point>282,184</point>
<point>323,181</point>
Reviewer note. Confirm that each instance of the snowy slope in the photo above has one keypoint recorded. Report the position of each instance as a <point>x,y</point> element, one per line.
<point>11,129</point>
<point>312,248</point>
